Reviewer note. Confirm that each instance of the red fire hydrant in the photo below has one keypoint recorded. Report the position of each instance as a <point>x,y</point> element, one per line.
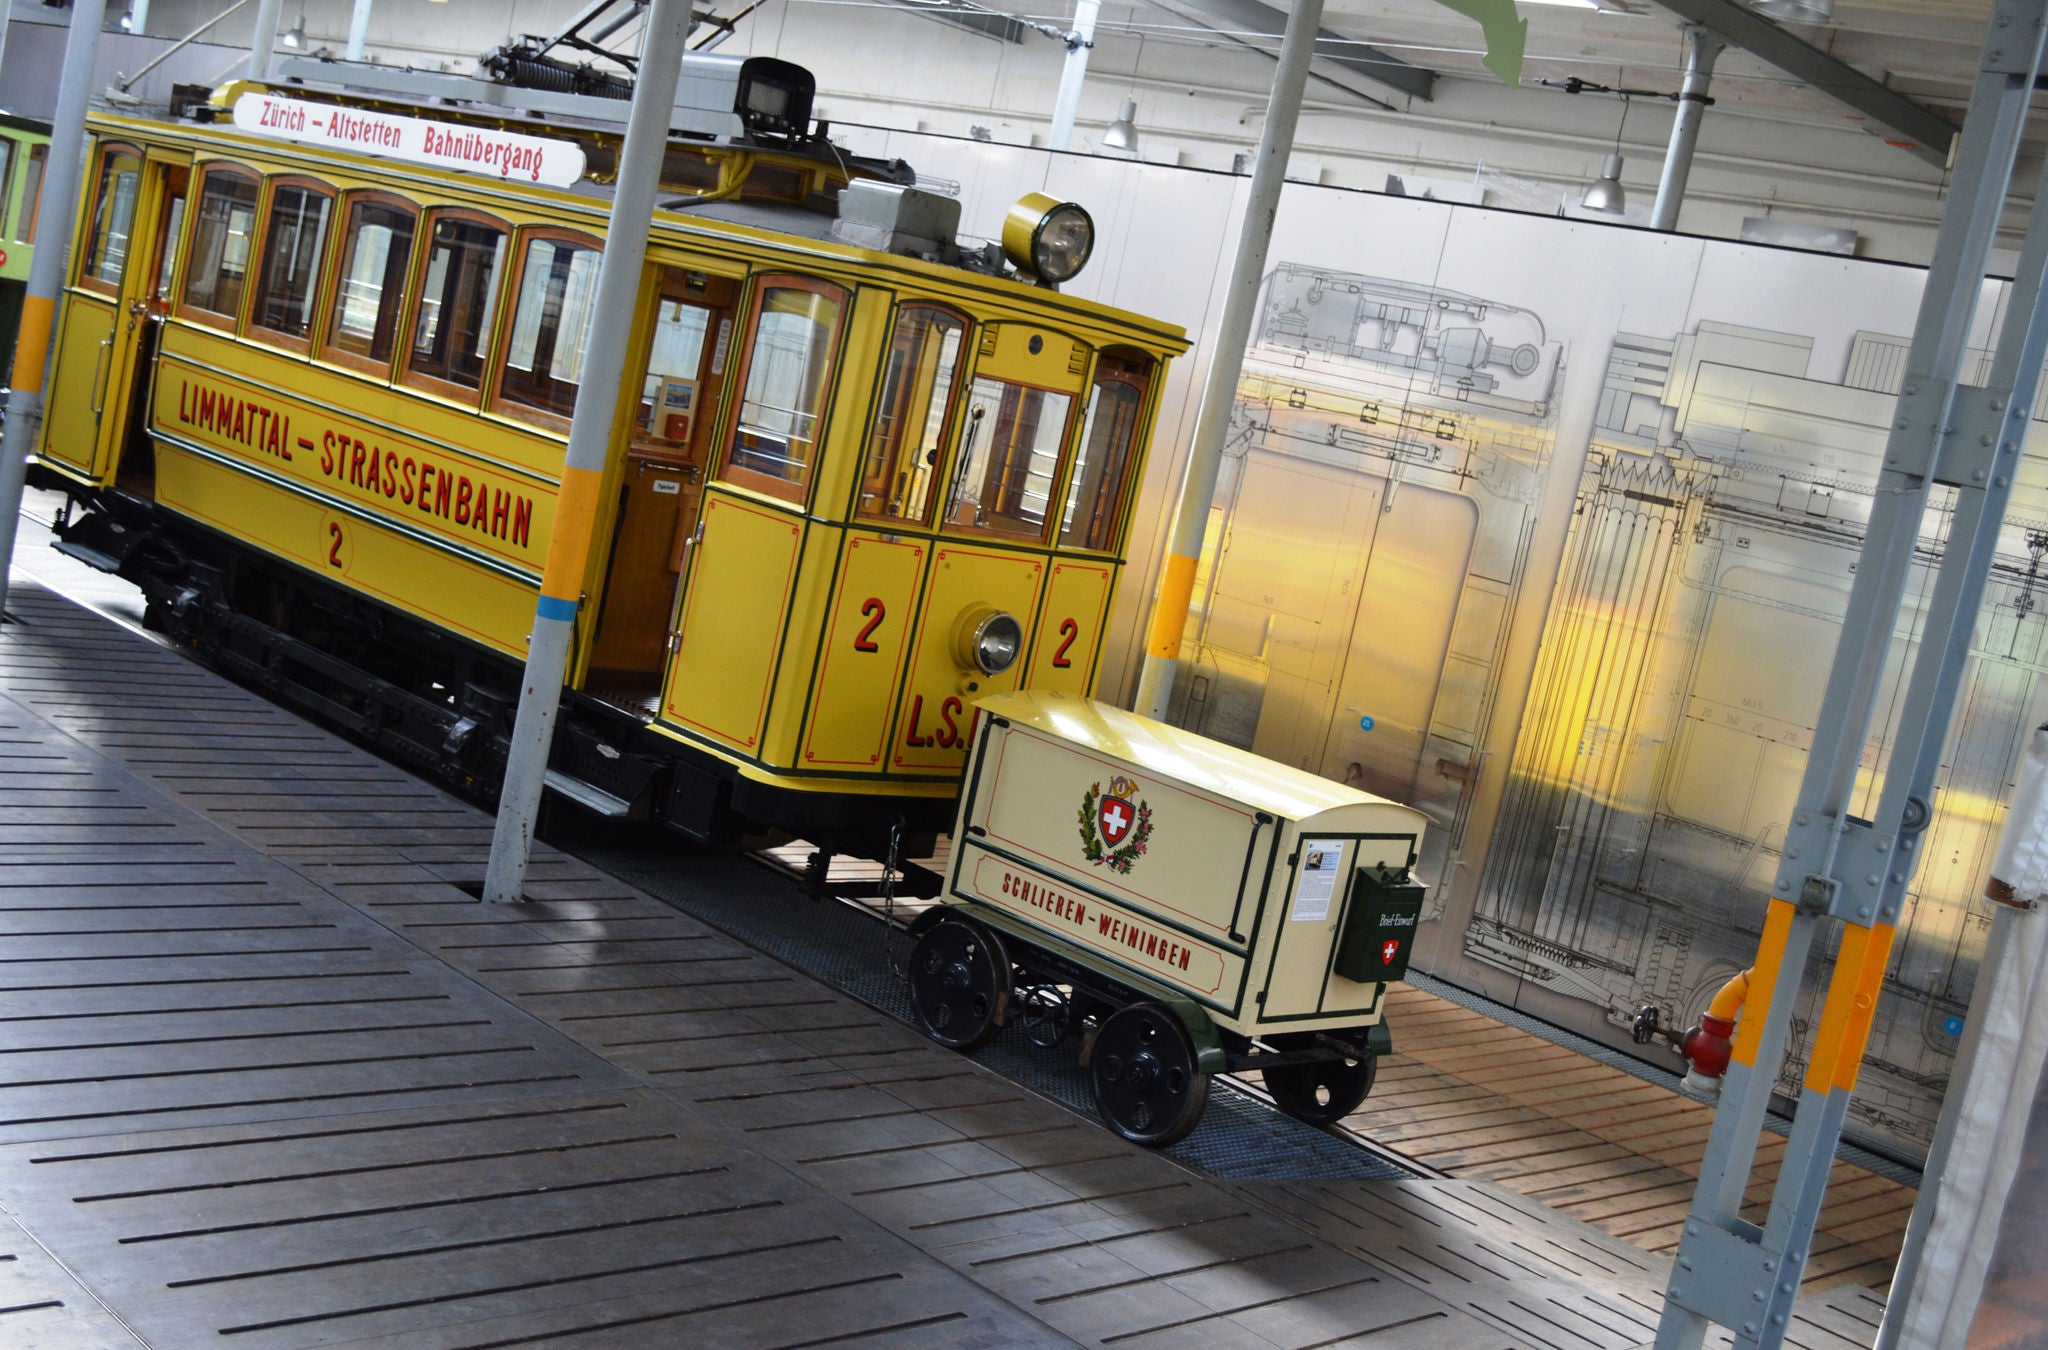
<point>1708,1045</point>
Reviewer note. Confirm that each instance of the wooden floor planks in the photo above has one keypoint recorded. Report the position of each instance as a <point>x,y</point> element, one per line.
<point>1480,1100</point>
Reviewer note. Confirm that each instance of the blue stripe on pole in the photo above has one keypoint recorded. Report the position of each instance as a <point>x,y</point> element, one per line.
<point>551,607</point>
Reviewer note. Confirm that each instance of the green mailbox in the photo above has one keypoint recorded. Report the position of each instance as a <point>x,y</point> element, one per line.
<point>1379,925</point>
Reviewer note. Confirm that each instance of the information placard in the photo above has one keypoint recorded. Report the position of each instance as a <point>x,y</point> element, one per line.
<point>1320,859</point>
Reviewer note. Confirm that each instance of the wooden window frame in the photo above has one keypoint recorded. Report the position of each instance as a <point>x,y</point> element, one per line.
<point>962,379</point>
<point>499,402</point>
<point>1048,534</point>
<point>416,281</point>
<point>90,225</point>
<point>1146,387</point>
<point>340,356</point>
<point>266,204</point>
<point>196,197</point>
<point>797,494</point>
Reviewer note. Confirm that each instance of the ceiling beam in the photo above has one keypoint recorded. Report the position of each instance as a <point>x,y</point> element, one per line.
<point>1898,119</point>
<point>1256,16</point>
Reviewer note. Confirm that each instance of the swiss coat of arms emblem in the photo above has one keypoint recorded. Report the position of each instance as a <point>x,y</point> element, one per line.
<point>1115,825</point>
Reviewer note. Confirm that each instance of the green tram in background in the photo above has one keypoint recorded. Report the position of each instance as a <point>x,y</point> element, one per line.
<point>24,148</point>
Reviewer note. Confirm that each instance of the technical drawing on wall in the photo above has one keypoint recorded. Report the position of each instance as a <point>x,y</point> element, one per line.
<point>1385,458</point>
<point>1717,530</point>
<point>1370,549</point>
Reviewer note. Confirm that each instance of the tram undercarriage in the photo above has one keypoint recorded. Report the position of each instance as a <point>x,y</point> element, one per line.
<point>426,698</point>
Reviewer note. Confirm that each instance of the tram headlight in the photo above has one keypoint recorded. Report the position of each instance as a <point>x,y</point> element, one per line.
<point>1047,237</point>
<point>988,640</point>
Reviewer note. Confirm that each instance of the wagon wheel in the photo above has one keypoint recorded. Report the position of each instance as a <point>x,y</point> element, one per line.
<point>959,983</point>
<point>1146,1083</point>
<point>1324,1092</point>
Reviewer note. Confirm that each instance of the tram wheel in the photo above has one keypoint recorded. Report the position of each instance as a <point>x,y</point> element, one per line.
<point>959,983</point>
<point>1146,1082</point>
<point>1324,1092</point>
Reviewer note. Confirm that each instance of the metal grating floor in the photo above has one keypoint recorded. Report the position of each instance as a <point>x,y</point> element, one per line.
<point>1239,1137</point>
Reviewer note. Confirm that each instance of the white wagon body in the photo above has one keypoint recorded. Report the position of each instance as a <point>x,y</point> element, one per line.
<point>1141,866</point>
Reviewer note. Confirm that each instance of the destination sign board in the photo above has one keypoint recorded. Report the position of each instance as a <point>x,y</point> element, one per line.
<point>417,140</point>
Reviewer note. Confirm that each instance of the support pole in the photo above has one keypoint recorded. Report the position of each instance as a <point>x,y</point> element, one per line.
<point>590,434</point>
<point>263,38</point>
<point>1834,865</point>
<point>1079,43</point>
<point>138,17</point>
<point>358,30</point>
<point>54,217</point>
<point>1226,363</point>
<point>1701,47</point>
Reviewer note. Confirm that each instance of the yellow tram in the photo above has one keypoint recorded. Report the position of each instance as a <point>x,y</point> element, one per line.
<point>314,369</point>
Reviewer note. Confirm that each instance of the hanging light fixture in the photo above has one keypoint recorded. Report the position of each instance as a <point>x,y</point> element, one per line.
<point>1798,11</point>
<point>1122,134</point>
<point>1604,194</point>
<point>295,36</point>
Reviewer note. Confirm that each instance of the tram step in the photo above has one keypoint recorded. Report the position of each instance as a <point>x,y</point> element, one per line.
<point>91,557</point>
<point>588,796</point>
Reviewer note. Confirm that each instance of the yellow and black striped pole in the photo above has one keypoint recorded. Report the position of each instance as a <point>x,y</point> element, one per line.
<point>590,433</point>
<point>54,213</point>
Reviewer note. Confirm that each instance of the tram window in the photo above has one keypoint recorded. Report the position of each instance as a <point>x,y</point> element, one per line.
<point>551,323</point>
<point>113,221</point>
<point>31,194</point>
<point>167,255</point>
<point>908,438</point>
<point>294,242</point>
<point>789,360</point>
<point>668,396</point>
<point>376,249</point>
<point>7,177</point>
<point>457,297</point>
<point>1009,456</point>
<point>1107,434</point>
<point>221,242</point>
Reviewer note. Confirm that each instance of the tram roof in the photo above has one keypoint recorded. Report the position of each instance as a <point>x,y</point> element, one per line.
<point>810,221</point>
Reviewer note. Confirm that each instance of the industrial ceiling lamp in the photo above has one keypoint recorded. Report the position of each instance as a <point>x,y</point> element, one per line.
<point>1605,194</point>
<point>1797,11</point>
<point>1122,134</point>
<point>295,36</point>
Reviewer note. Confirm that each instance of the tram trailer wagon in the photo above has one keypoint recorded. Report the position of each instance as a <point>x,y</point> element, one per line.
<point>1181,906</point>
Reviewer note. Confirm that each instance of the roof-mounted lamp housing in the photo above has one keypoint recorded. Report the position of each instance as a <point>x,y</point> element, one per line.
<point>1047,238</point>
<point>775,97</point>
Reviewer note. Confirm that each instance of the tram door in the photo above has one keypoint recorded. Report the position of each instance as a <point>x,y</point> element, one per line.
<point>98,399</point>
<point>666,453</point>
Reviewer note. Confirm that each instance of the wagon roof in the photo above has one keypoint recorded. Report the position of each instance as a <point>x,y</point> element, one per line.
<point>1169,752</point>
